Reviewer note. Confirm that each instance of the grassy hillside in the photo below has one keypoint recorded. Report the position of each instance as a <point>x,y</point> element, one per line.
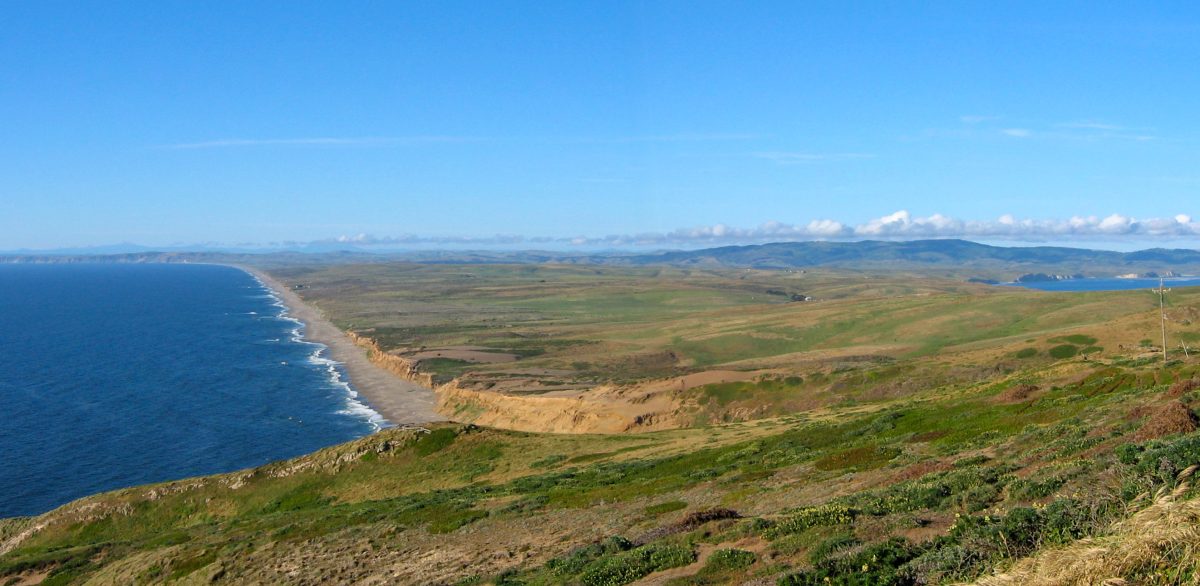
<point>944,484</point>
<point>893,430</point>
<point>531,328</point>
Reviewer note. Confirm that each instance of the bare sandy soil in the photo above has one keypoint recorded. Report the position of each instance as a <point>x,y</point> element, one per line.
<point>398,400</point>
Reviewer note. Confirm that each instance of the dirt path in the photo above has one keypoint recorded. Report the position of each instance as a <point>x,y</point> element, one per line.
<point>398,400</point>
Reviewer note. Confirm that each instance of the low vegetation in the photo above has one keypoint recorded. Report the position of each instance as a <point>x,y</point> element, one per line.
<point>938,488</point>
<point>974,447</point>
<point>532,328</point>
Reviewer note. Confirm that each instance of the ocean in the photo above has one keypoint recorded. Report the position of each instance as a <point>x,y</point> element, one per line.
<point>1106,284</point>
<point>117,375</point>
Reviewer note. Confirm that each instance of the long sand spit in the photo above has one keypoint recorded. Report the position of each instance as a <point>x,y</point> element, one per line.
<point>398,400</point>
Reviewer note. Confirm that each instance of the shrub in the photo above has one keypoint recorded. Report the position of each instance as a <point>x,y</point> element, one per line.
<point>729,559</point>
<point>1064,351</point>
<point>448,522</point>
<point>878,564</point>
<point>978,497</point>
<point>698,518</point>
<point>525,505</point>
<point>1028,489</point>
<point>631,565</point>
<point>575,561</point>
<point>809,517</point>
<point>829,547</point>
<point>1022,528</point>
<point>972,487</point>
<point>1027,353</point>
<point>1081,339</point>
<point>508,577</point>
<point>949,562</point>
<point>1018,393</point>
<point>1181,388</point>
<point>1066,520</point>
<point>974,543</point>
<point>1171,419</point>
<point>549,461</point>
<point>1157,462</point>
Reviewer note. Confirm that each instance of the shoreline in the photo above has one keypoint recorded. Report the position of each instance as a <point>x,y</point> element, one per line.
<point>399,401</point>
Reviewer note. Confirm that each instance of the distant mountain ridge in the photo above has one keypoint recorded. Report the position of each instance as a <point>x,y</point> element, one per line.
<point>1008,262</point>
<point>915,252</point>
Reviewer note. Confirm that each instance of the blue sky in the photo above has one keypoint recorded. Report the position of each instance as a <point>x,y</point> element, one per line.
<point>603,123</point>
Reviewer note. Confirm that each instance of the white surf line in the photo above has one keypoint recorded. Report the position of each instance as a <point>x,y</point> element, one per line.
<point>355,406</point>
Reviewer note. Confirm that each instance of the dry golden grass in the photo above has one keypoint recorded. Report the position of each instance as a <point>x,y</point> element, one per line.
<point>1159,545</point>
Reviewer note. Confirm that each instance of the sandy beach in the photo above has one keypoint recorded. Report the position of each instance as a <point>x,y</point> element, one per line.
<point>398,400</point>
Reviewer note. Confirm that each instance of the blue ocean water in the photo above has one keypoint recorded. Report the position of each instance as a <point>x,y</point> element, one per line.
<point>1105,284</point>
<point>116,375</point>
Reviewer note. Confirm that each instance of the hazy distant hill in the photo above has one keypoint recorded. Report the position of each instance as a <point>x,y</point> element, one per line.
<point>916,252</point>
<point>959,255</point>
<point>944,255</point>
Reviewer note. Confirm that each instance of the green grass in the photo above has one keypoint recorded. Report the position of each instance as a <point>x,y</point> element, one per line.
<point>1077,339</point>
<point>764,391</point>
<point>724,560</point>
<point>826,489</point>
<point>665,507</point>
<point>306,506</point>
<point>723,566</point>
<point>1063,351</point>
<point>610,324</point>
<point>861,458</point>
<point>435,441</point>
<point>444,369</point>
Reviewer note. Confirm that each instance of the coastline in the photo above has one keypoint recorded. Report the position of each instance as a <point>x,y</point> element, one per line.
<point>397,400</point>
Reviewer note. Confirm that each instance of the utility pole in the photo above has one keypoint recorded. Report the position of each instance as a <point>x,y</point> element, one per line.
<point>1162,313</point>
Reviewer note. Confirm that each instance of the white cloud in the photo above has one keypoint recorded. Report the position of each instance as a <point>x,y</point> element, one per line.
<point>899,225</point>
<point>884,225</point>
<point>413,240</point>
<point>1090,125</point>
<point>825,228</point>
<point>1082,131</point>
<point>1115,224</point>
